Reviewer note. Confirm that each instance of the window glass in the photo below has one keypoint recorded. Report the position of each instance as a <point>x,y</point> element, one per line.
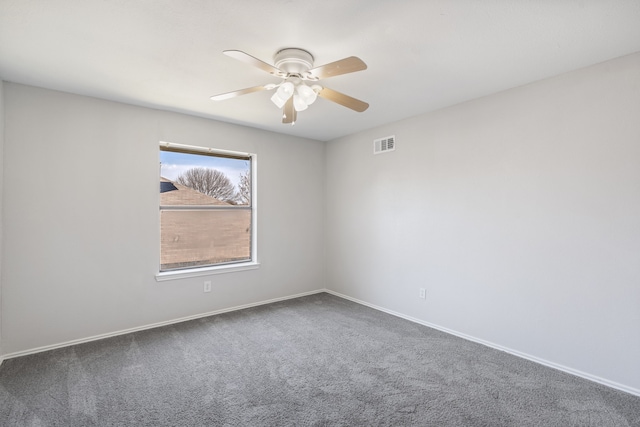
<point>205,208</point>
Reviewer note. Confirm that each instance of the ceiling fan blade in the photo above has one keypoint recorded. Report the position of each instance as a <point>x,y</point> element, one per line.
<point>235,93</point>
<point>344,100</point>
<point>248,59</point>
<point>289,114</point>
<point>343,66</point>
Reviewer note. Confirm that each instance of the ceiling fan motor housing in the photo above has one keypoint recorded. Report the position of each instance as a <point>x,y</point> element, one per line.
<point>293,60</point>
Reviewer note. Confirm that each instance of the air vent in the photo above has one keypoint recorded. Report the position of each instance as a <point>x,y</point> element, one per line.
<point>385,144</point>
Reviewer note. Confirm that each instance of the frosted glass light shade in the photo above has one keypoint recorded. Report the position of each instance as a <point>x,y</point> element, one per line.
<point>277,100</point>
<point>283,94</point>
<point>299,104</point>
<point>307,94</point>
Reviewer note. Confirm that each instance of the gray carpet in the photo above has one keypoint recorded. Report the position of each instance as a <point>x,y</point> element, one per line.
<point>313,361</point>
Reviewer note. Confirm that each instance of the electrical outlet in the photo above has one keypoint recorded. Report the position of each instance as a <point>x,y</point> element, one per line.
<point>207,286</point>
<point>423,293</point>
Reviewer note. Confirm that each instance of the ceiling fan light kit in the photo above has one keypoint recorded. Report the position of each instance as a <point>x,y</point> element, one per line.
<point>294,67</point>
<point>303,95</point>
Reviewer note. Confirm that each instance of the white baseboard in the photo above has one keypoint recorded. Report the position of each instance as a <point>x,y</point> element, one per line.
<point>603,381</point>
<point>153,325</point>
<point>594,378</point>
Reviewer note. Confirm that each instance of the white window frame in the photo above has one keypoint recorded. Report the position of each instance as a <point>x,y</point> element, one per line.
<point>209,270</point>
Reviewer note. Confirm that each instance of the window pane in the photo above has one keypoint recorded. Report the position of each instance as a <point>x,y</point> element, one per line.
<point>225,179</point>
<point>191,238</point>
<point>205,207</point>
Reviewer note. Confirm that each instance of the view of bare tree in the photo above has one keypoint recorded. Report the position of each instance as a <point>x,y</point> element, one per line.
<point>211,182</point>
<point>244,189</point>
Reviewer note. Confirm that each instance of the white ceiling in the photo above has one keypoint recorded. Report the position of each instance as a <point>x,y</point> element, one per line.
<point>421,55</point>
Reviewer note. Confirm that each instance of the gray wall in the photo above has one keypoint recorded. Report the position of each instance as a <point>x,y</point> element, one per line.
<point>81,225</point>
<point>1,200</point>
<point>518,212</point>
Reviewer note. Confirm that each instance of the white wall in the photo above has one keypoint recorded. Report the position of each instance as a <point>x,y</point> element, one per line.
<point>518,212</point>
<point>1,198</point>
<point>81,218</point>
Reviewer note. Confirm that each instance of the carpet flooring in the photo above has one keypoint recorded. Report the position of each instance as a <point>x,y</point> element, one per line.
<point>319,360</point>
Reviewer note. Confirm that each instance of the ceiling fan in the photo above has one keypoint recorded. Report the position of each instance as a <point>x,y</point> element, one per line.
<point>295,67</point>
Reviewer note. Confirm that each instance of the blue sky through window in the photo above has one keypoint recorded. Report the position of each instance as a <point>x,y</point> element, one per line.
<point>175,164</point>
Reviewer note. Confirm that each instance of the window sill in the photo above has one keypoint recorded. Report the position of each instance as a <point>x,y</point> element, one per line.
<point>205,271</point>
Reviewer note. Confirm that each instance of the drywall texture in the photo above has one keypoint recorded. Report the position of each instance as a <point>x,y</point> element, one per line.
<point>518,213</point>
<point>81,230</point>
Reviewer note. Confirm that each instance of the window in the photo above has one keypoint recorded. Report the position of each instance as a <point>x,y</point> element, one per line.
<point>207,214</point>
